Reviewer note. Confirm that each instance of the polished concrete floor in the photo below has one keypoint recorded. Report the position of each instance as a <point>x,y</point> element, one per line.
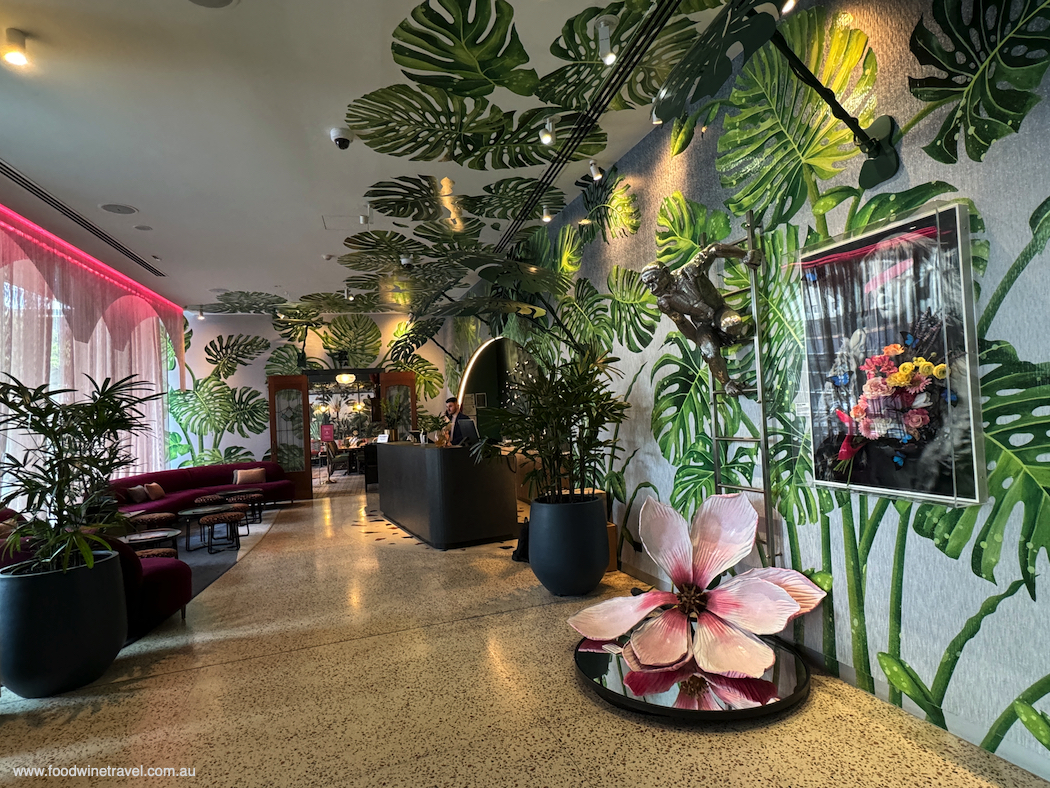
<point>340,652</point>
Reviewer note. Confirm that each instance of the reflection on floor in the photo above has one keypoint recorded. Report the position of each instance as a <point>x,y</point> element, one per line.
<point>327,658</point>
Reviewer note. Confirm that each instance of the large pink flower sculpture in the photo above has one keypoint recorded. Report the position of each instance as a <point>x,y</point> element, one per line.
<point>715,629</point>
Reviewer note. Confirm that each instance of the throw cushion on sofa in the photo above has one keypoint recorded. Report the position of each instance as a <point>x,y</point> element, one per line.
<point>138,494</point>
<point>154,491</point>
<point>249,476</point>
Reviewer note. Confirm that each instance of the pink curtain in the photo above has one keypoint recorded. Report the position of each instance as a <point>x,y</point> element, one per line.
<point>65,315</point>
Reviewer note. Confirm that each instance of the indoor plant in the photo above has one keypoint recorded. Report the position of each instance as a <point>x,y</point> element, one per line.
<point>62,609</point>
<point>560,420</point>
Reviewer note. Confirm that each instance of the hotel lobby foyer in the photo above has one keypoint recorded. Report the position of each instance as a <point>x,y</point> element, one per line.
<point>341,652</point>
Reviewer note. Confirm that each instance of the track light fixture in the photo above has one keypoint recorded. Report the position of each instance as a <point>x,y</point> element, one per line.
<point>604,26</point>
<point>596,172</point>
<point>547,215</point>
<point>200,313</point>
<point>788,7</point>
<point>548,135</point>
<point>15,48</point>
<point>406,260</point>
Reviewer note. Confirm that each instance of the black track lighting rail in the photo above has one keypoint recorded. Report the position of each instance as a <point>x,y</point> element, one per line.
<point>627,60</point>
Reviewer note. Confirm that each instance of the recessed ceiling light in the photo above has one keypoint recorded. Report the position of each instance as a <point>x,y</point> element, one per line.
<point>144,227</point>
<point>115,207</point>
<point>214,3</point>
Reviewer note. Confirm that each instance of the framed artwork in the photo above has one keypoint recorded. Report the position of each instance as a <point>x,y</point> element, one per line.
<point>891,352</point>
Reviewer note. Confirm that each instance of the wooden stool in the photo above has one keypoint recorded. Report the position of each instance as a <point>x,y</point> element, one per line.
<point>232,522</point>
<point>244,509</point>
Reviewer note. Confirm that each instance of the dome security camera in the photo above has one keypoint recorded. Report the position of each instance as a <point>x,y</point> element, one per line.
<point>342,137</point>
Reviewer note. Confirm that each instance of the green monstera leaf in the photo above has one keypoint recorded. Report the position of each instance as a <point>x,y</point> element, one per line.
<point>424,123</point>
<point>295,323</point>
<point>681,407</point>
<point>464,54</point>
<point>242,302</point>
<point>996,56</point>
<point>380,251</point>
<point>410,336</point>
<point>429,379</point>
<point>329,303</point>
<point>574,86</point>
<point>504,198</point>
<point>567,253</point>
<point>586,314</point>
<point>228,455</point>
<point>203,410</point>
<point>356,335</point>
<point>177,446</point>
<point>632,309</point>
<point>741,27</point>
<point>610,207</point>
<point>518,145</point>
<point>444,236</point>
<point>783,137</point>
<point>250,412</point>
<point>1017,450</point>
<point>284,360</point>
<point>684,228</point>
<point>228,352</point>
<point>415,197</point>
<point>694,481</point>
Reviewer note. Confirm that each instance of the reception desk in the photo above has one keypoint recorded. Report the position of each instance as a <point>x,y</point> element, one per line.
<point>443,497</point>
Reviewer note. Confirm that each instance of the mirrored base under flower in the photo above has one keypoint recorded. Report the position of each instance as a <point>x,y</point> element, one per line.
<point>698,698</point>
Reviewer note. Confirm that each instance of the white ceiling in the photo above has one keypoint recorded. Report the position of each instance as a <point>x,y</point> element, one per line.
<point>214,123</point>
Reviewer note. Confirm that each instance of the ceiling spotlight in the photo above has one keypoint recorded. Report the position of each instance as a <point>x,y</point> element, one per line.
<point>605,26</point>
<point>546,215</point>
<point>15,49</point>
<point>345,378</point>
<point>200,313</point>
<point>596,171</point>
<point>548,136</point>
<point>788,7</point>
<point>654,117</point>
<point>406,261</point>
<point>366,217</point>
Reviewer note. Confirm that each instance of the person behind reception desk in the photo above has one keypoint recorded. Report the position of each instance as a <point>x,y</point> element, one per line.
<point>461,429</point>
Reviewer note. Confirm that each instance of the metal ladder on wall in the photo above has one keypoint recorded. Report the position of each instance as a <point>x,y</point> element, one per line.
<point>768,539</point>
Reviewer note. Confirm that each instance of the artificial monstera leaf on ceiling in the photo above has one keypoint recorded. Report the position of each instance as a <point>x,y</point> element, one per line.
<point>424,123</point>
<point>284,360</point>
<point>474,306</point>
<point>243,302</point>
<point>504,198</point>
<point>741,27</point>
<point>466,54</point>
<point>575,85</point>
<point>415,197</point>
<point>294,323</point>
<point>783,137</point>
<point>997,54</point>
<point>684,228</point>
<point>379,251</point>
<point>412,335</point>
<point>357,336</point>
<point>444,236</point>
<point>518,145</point>
<point>329,303</point>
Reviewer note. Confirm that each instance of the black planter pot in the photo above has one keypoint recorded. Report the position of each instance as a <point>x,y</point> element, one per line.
<point>61,630</point>
<point>568,545</point>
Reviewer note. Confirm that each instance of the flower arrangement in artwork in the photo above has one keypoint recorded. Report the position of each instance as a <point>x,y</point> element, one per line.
<point>703,635</point>
<point>899,401</point>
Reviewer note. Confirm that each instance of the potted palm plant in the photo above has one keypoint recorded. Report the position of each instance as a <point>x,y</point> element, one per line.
<point>560,420</point>
<point>62,608</point>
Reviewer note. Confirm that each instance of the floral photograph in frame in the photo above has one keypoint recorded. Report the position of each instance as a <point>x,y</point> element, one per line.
<point>891,359</point>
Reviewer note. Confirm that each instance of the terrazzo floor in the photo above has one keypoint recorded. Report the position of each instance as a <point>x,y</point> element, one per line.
<point>343,652</point>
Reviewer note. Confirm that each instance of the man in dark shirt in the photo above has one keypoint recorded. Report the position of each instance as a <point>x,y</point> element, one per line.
<point>454,416</point>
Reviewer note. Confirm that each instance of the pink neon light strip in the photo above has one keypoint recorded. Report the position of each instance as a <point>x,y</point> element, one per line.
<point>23,228</point>
<point>831,259</point>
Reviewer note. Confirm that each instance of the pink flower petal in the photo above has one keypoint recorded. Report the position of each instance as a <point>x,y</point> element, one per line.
<point>653,682</point>
<point>609,619</point>
<point>665,536</point>
<point>636,664</point>
<point>752,604</point>
<point>593,646</point>
<point>802,589</point>
<point>723,533</point>
<point>719,647</point>
<point>687,702</point>
<point>664,640</point>
<point>743,693</point>
<point>706,702</point>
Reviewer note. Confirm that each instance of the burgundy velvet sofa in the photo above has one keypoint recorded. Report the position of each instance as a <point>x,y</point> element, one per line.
<point>183,485</point>
<point>154,588</point>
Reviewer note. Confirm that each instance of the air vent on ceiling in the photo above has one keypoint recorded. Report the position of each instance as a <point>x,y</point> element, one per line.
<point>118,208</point>
<point>38,192</point>
<point>214,3</point>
